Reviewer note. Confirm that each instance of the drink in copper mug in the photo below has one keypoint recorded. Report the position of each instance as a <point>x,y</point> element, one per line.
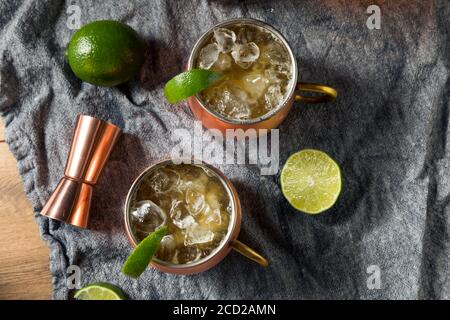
<point>256,71</point>
<point>259,83</point>
<point>200,208</point>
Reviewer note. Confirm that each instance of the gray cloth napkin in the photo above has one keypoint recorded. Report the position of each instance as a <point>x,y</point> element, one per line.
<point>388,130</point>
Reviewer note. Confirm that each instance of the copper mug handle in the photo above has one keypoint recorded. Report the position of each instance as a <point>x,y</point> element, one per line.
<point>249,253</point>
<point>328,94</point>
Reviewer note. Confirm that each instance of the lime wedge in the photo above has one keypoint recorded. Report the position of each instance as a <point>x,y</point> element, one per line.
<point>188,83</point>
<point>139,259</point>
<point>311,181</point>
<point>100,291</point>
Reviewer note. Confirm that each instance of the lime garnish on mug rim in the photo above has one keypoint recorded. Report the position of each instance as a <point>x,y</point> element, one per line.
<point>140,258</point>
<point>100,291</point>
<point>311,181</point>
<point>188,83</point>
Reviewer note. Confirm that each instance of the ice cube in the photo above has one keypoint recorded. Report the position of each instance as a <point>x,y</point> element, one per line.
<point>147,209</point>
<point>236,93</point>
<point>255,84</point>
<point>233,104</point>
<point>208,55</point>
<point>273,76</point>
<point>196,234</point>
<point>168,242</point>
<point>163,180</point>
<point>223,62</point>
<point>174,176</point>
<point>214,217</point>
<point>148,216</point>
<point>184,223</point>
<point>195,201</point>
<point>273,97</point>
<point>212,199</point>
<point>180,215</point>
<point>175,257</point>
<point>245,35</point>
<point>240,112</point>
<point>177,210</point>
<point>275,54</point>
<point>225,39</point>
<point>159,182</point>
<point>167,247</point>
<point>245,54</point>
<point>199,182</point>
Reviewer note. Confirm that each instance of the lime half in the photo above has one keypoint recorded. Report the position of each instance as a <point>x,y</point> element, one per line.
<point>188,83</point>
<point>100,291</point>
<point>139,259</point>
<point>311,181</point>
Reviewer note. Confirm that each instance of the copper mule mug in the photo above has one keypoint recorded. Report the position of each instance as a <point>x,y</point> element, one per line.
<point>272,119</point>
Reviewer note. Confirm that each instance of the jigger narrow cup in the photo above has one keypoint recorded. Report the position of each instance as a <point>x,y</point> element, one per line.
<point>92,143</point>
<point>213,120</point>
<point>218,254</point>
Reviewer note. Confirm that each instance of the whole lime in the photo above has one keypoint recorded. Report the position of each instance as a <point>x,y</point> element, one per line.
<point>105,53</point>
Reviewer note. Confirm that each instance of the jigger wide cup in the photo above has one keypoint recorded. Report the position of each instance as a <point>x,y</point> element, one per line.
<point>212,119</point>
<point>228,243</point>
<point>92,143</point>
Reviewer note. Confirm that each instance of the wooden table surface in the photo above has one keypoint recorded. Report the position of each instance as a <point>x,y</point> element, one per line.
<point>24,260</point>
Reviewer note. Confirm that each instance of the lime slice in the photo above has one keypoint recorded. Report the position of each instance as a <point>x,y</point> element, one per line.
<point>188,83</point>
<point>311,181</point>
<point>139,259</point>
<point>100,291</point>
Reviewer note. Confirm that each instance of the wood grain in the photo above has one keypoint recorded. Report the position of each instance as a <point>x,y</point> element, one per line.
<point>24,263</point>
<point>2,131</point>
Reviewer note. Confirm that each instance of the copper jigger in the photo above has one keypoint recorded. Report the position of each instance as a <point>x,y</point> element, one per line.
<point>92,143</point>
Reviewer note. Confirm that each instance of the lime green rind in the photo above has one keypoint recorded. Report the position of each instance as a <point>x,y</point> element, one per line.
<point>100,291</point>
<point>336,194</point>
<point>105,53</point>
<point>140,258</point>
<point>186,84</point>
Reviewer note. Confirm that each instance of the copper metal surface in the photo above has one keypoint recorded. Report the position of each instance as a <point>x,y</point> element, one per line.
<point>212,119</point>
<point>92,143</point>
<point>230,242</point>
